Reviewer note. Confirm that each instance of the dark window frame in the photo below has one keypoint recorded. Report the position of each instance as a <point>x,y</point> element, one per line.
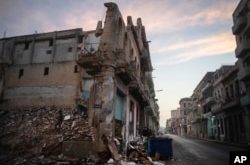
<point>46,71</point>
<point>21,72</point>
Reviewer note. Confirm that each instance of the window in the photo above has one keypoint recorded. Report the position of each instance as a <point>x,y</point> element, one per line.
<point>70,49</point>
<point>26,45</point>
<point>79,40</point>
<point>46,71</point>
<point>75,69</point>
<point>20,73</point>
<point>79,49</point>
<point>51,42</point>
<point>48,51</point>
<point>232,90</point>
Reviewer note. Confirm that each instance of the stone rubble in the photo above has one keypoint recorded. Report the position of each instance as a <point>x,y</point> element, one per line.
<point>38,135</point>
<point>33,134</point>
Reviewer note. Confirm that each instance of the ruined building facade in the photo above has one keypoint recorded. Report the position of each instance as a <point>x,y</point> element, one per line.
<point>104,75</point>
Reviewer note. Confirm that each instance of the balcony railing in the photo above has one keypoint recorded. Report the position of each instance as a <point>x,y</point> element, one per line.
<point>91,61</point>
<point>216,108</point>
<point>244,73</point>
<point>231,102</point>
<point>239,24</point>
<point>242,48</point>
<point>208,100</point>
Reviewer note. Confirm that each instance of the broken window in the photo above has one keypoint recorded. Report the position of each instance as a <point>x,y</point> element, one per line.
<point>76,69</point>
<point>46,71</point>
<point>26,45</point>
<point>20,73</point>
<point>70,49</point>
<point>48,51</point>
<point>51,42</point>
<point>79,40</point>
<point>79,49</point>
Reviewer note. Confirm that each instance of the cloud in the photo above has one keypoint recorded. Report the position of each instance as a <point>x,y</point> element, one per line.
<point>160,16</point>
<point>217,44</point>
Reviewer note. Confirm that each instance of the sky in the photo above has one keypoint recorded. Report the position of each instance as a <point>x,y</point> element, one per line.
<point>188,37</point>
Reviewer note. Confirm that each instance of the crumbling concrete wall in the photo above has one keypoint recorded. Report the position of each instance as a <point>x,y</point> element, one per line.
<point>42,69</point>
<point>59,87</point>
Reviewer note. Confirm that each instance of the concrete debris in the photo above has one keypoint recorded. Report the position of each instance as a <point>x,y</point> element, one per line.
<point>53,135</point>
<point>110,161</point>
<point>67,117</point>
<point>36,134</point>
<point>111,147</point>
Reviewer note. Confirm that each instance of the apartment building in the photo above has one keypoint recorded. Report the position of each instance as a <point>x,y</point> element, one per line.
<point>220,115</point>
<point>202,93</point>
<point>191,117</point>
<point>175,121</point>
<point>241,30</point>
<point>185,108</point>
<point>104,74</point>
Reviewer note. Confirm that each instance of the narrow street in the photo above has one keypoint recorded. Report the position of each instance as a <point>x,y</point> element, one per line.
<point>188,151</point>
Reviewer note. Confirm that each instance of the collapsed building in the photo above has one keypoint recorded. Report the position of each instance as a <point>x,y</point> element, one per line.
<point>64,90</point>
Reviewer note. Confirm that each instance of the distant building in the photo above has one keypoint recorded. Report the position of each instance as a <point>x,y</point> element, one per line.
<point>241,30</point>
<point>168,126</point>
<point>185,107</point>
<point>227,110</point>
<point>175,121</point>
<point>203,94</point>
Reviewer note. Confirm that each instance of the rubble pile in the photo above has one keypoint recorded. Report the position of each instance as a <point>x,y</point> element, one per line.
<point>34,133</point>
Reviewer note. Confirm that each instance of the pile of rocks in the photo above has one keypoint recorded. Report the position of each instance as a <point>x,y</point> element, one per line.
<point>34,133</point>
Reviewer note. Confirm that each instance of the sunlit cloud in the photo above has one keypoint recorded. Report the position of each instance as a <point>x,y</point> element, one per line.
<point>217,44</point>
<point>158,18</point>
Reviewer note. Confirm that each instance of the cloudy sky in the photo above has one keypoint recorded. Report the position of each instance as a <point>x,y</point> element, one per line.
<point>189,37</point>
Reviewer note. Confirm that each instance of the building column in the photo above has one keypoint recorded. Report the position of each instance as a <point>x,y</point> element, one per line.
<point>238,127</point>
<point>135,116</point>
<point>246,119</point>
<point>224,128</point>
<point>104,104</point>
<point>234,129</point>
<point>227,133</point>
<point>127,115</point>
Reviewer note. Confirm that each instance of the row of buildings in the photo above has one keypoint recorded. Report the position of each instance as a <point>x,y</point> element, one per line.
<point>105,73</point>
<point>219,107</point>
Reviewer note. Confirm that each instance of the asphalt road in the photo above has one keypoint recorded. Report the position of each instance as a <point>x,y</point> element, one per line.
<point>188,151</point>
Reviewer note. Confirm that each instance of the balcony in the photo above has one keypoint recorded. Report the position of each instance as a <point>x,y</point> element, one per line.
<point>208,100</point>
<point>239,24</point>
<point>216,108</point>
<point>232,102</point>
<point>207,86</point>
<point>244,73</point>
<point>127,73</point>
<point>91,62</point>
<point>245,100</point>
<point>242,48</point>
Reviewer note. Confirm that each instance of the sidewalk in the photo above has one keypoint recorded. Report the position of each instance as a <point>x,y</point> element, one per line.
<point>239,145</point>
